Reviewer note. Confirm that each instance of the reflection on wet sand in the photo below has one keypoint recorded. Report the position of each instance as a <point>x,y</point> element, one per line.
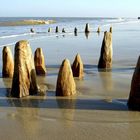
<point>27,111</point>
<point>67,106</point>
<point>26,117</point>
<point>42,82</point>
<point>98,33</point>
<point>87,35</point>
<point>106,79</point>
<point>7,84</point>
<point>75,34</point>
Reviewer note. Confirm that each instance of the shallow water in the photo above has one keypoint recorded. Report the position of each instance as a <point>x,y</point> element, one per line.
<point>98,111</point>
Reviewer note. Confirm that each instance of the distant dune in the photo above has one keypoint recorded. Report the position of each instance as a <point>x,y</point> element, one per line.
<point>27,22</point>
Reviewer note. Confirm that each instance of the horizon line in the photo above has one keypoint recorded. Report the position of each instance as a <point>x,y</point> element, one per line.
<point>63,17</point>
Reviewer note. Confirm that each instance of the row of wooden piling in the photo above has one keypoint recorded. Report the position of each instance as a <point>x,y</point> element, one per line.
<point>87,29</point>
<point>24,68</point>
<point>8,62</point>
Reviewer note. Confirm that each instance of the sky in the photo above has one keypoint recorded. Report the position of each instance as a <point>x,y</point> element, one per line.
<point>69,8</point>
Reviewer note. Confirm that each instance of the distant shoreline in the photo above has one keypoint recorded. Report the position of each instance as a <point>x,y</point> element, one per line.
<point>26,22</point>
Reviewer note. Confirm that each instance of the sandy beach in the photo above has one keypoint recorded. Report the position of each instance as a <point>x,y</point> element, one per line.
<point>99,109</point>
<point>26,22</point>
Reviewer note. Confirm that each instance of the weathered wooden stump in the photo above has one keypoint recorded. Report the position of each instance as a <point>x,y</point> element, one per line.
<point>65,81</point>
<point>134,97</point>
<point>39,62</point>
<point>8,63</point>
<point>105,61</point>
<point>77,67</point>
<point>24,79</point>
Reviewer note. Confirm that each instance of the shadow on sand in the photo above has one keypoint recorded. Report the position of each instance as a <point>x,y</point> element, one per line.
<point>62,103</point>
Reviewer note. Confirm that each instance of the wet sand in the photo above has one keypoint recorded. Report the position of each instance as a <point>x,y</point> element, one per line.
<point>99,110</point>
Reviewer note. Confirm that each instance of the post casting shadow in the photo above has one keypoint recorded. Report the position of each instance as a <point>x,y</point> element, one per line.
<point>64,103</point>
